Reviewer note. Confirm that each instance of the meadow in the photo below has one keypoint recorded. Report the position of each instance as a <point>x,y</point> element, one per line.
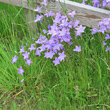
<point>80,82</point>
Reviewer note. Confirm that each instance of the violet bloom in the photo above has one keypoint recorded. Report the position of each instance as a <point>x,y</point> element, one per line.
<point>61,56</point>
<point>104,43</point>
<point>28,61</point>
<point>107,37</point>
<point>56,61</point>
<point>38,18</point>
<point>26,55</point>
<point>22,80</point>
<point>77,49</point>
<point>32,47</point>
<point>80,29</point>
<point>20,70</point>
<point>94,30</point>
<point>44,3</point>
<point>49,54</point>
<point>14,59</point>
<point>72,14</point>
<point>107,48</point>
<point>75,23</point>
<point>37,52</point>
<point>38,9</point>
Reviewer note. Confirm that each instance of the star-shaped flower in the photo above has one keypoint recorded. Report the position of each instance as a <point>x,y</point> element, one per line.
<point>56,61</point>
<point>28,61</point>
<point>14,59</point>
<point>107,37</point>
<point>32,47</point>
<point>38,9</point>
<point>72,14</point>
<point>38,18</point>
<point>49,54</point>
<point>44,3</point>
<point>61,56</point>
<point>78,49</point>
<point>80,29</point>
<point>26,55</point>
<point>20,70</point>
<point>37,52</point>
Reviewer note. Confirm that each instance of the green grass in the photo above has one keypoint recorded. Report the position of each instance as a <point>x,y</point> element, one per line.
<point>81,82</point>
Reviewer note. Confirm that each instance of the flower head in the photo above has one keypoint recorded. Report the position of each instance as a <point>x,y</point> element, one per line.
<point>20,70</point>
<point>14,59</point>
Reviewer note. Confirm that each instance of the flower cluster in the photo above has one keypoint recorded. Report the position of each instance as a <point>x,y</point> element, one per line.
<point>103,26</point>
<point>98,3</point>
<point>51,42</point>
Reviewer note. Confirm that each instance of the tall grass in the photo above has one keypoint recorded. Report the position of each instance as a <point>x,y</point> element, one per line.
<point>81,82</point>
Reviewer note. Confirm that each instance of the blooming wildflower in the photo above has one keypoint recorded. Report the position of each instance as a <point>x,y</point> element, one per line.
<point>42,48</point>
<point>107,48</point>
<point>57,46</point>
<point>14,59</point>
<point>32,47</point>
<point>20,70</point>
<point>49,54</point>
<point>38,18</point>
<point>80,29</point>
<point>26,55</point>
<point>96,2</point>
<point>22,80</point>
<point>44,31</point>
<point>78,49</point>
<point>72,14</point>
<point>44,3</point>
<point>28,61</point>
<point>49,27</point>
<point>38,9</point>
<point>104,43</point>
<point>61,56</point>
<point>37,52</point>
<point>104,4</point>
<point>102,29</point>
<point>94,30</point>
<point>21,50</point>
<point>107,37</point>
<point>56,61</point>
<point>75,23</point>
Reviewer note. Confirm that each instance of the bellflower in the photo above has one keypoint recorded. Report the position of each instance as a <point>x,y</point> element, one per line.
<point>77,49</point>
<point>14,59</point>
<point>20,70</point>
<point>56,61</point>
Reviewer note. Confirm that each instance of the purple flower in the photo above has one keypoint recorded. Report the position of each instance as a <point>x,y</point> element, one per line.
<point>20,70</point>
<point>80,29</point>
<point>78,49</point>
<point>72,14</point>
<point>14,59</point>
<point>32,47</point>
<point>94,30</point>
<point>104,43</point>
<point>37,52</point>
<point>75,24</point>
<point>107,37</point>
<point>38,18</point>
<point>107,48</point>
<point>44,3</point>
<point>38,9</point>
<point>26,55</point>
<point>61,56</point>
<point>49,54</point>
<point>28,61</point>
<point>56,61</point>
<point>22,80</point>
<point>44,31</point>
